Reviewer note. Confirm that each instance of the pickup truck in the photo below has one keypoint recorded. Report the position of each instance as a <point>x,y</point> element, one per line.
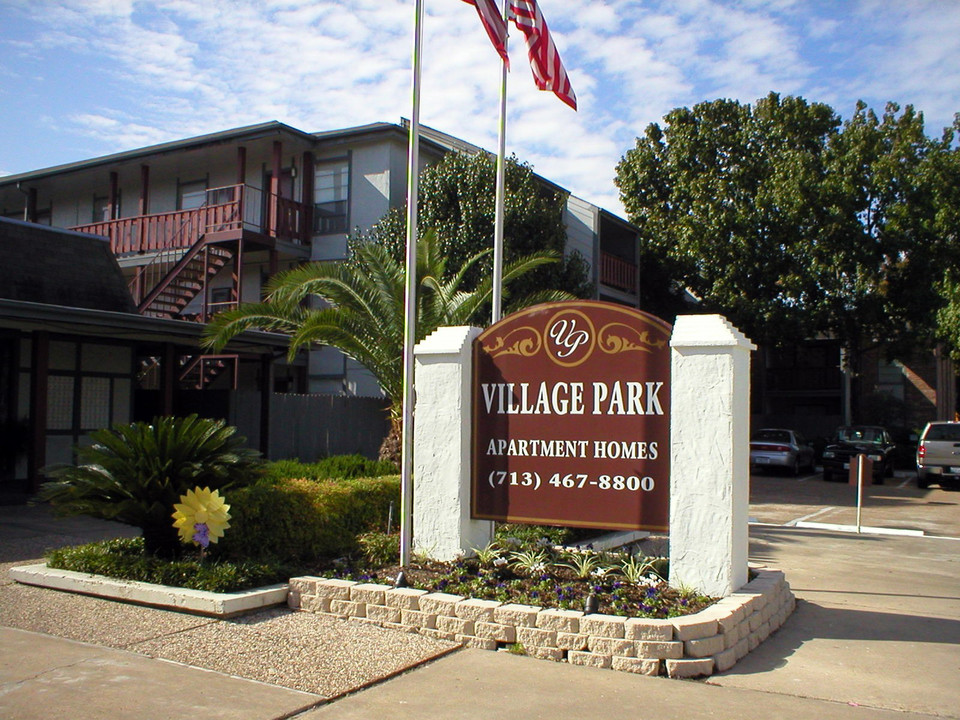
<point>938,454</point>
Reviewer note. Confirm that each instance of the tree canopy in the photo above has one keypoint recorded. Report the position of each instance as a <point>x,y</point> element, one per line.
<point>794,223</point>
<point>456,200</point>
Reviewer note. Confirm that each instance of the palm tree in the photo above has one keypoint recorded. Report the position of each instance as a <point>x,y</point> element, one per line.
<point>364,312</point>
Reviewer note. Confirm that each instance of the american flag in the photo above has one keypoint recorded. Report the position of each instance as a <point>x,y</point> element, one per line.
<point>494,24</point>
<point>548,70</point>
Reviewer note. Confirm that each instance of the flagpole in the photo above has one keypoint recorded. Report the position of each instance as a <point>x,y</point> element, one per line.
<point>498,221</point>
<point>410,302</point>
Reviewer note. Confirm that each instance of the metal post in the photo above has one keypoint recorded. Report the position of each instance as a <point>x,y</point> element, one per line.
<point>501,190</point>
<point>410,303</point>
<point>860,468</point>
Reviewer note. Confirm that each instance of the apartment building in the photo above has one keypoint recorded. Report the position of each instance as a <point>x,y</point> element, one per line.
<point>199,224</point>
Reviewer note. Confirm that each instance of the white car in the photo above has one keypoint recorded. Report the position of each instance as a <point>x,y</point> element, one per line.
<point>938,455</point>
<point>782,449</point>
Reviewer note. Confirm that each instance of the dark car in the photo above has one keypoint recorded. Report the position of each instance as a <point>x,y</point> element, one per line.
<point>780,448</point>
<point>852,440</point>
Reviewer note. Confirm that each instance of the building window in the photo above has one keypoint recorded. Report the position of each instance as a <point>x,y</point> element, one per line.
<point>331,195</point>
<point>890,378</point>
<point>192,194</point>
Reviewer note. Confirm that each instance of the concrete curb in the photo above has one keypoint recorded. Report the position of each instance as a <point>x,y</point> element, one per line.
<point>201,602</point>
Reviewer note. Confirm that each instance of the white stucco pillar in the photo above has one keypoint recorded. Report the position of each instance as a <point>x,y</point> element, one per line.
<point>710,454</point>
<point>442,527</point>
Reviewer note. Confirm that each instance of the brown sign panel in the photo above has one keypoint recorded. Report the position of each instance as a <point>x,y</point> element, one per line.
<point>571,420</point>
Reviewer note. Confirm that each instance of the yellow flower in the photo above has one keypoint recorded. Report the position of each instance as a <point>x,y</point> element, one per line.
<point>201,516</point>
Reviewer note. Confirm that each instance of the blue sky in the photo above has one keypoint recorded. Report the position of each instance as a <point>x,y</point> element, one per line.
<point>84,78</point>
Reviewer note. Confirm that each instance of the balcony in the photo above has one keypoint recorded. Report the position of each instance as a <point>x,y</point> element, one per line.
<point>229,213</point>
<point>618,273</point>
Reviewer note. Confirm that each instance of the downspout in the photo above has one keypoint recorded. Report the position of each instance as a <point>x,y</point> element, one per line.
<point>30,200</point>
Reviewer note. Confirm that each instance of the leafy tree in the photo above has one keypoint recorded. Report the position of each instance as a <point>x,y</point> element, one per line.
<point>944,172</point>
<point>364,312</point>
<point>723,194</point>
<point>136,473</point>
<point>457,199</point>
<point>793,224</point>
<point>881,259</point>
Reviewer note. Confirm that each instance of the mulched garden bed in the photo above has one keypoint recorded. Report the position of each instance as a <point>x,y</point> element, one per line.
<point>554,584</point>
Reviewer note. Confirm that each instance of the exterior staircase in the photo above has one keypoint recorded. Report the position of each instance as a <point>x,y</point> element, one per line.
<point>175,277</point>
<point>198,371</point>
<point>167,285</point>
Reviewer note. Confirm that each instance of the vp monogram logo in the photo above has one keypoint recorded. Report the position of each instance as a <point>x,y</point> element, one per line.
<point>568,335</point>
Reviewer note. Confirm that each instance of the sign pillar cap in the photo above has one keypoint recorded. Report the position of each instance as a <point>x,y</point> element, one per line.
<point>707,331</point>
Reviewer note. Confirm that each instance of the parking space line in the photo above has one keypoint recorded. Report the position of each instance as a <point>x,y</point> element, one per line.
<point>904,483</point>
<point>821,511</point>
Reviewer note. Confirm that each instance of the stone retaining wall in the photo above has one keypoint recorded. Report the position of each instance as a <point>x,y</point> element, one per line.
<point>710,641</point>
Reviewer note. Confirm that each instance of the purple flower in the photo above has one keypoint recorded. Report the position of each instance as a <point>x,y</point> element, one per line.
<point>651,591</point>
<point>201,535</point>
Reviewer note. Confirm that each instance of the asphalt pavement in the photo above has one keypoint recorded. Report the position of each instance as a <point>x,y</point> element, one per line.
<point>876,634</point>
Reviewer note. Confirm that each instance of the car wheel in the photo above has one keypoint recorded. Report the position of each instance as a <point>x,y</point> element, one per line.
<point>795,468</point>
<point>827,476</point>
<point>922,482</point>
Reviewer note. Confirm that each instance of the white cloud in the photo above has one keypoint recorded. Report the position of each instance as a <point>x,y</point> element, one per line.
<point>153,72</point>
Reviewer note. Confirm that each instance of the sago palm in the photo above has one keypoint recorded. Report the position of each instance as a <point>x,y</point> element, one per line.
<point>136,473</point>
<point>364,312</point>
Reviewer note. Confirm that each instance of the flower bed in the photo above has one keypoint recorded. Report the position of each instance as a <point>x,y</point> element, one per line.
<point>696,645</point>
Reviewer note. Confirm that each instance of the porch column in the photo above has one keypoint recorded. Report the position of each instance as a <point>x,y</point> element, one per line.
<point>241,165</point>
<point>39,368</point>
<point>238,272</point>
<point>275,188</point>
<point>113,201</point>
<point>306,196</point>
<point>143,207</point>
<point>30,209</point>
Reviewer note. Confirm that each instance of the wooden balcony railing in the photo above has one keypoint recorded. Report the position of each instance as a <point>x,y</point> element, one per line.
<point>230,208</point>
<point>618,273</point>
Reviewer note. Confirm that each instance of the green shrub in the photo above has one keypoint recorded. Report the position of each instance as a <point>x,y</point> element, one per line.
<point>337,467</point>
<point>529,535</point>
<point>380,548</point>
<point>136,473</point>
<point>302,520</point>
<point>125,559</point>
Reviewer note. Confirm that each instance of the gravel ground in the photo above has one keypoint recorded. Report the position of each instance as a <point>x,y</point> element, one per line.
<point>321,655</point>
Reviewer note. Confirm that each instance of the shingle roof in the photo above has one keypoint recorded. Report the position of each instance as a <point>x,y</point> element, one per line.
<point>59,267</point>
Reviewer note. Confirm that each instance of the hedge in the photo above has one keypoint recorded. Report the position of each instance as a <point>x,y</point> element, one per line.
<point>303,520</point>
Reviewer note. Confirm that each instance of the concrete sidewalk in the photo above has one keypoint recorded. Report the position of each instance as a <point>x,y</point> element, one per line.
<point>876,635</point>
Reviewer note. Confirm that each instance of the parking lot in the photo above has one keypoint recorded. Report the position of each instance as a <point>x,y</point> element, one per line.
<point>898,504</point>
